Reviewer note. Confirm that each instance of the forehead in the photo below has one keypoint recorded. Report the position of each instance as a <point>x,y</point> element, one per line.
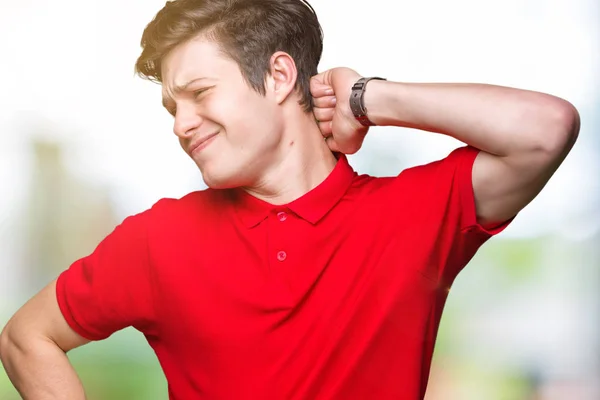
<point>197,58</point>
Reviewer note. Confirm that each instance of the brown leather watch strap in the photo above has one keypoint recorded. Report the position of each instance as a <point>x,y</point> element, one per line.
<point>357,102</point>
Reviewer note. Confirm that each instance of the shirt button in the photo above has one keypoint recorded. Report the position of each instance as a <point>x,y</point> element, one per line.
<point>282,216</point>
<point>281,256</point>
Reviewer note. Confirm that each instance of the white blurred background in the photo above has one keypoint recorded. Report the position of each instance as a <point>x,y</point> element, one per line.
<point>84,143</point>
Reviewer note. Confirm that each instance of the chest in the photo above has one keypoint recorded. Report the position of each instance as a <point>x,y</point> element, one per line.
<point>227,283</point>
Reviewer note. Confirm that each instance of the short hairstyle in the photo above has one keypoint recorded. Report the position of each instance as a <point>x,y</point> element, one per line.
<point>247,31</point>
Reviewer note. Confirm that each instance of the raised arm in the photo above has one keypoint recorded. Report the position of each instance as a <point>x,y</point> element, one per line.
<point>523,136</point>
<point>33,348</point>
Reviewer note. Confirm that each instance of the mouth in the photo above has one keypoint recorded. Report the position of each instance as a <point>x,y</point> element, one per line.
<point>201,143</point>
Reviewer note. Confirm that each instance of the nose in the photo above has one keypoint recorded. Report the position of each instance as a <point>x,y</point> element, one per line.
<point>186,121</point>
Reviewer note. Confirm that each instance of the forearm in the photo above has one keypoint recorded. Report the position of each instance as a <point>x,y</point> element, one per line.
<point>40,370</point>
<point>499,120</point>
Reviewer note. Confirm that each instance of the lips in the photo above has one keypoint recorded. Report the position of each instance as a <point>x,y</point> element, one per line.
<point>198,143</point>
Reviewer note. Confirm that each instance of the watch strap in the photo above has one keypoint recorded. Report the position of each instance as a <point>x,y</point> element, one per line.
<point>357,102</point>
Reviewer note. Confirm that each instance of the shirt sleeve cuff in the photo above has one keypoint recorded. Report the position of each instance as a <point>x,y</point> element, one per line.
<point>67,312</point>
<point>467,197</point>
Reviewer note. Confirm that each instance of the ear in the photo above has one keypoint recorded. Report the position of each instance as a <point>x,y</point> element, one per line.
<point>283,76</point>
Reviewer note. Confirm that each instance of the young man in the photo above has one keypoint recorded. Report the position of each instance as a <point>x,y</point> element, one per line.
<point>292,277</point>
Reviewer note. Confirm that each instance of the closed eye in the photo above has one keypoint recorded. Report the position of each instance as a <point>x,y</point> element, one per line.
<point>197,93</point>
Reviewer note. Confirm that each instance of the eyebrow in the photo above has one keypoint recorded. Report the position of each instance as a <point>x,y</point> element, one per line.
<point>181,88</point>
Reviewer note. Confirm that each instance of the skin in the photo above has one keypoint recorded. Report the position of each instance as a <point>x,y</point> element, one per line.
<point>271,148</point>
<point>523,136</point>
<point>265,143</point>
<point>33,348</point>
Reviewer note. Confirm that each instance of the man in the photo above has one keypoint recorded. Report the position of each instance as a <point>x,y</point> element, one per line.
<point>291,277</point>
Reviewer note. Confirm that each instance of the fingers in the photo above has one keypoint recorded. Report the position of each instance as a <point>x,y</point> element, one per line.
<point>324,117</point>
<point>325,101</point>
<point>326,128</point>
<point>332,144</point>
<point>319,87</point>
<point>323,114</point>
<point>324,111</point>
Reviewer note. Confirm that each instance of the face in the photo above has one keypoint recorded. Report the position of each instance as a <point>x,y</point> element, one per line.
<point>228,129</point>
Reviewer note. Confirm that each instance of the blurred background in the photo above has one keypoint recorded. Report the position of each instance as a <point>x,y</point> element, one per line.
<point>84,143</point>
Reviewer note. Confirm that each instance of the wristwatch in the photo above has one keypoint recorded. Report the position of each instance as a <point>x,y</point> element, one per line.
<point>357,101</point>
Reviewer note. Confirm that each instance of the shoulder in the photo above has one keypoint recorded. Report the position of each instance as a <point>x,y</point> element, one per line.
<point>458,161</point>
<point>198,202</point>
<point>196,207</point>
<point>420,187</point>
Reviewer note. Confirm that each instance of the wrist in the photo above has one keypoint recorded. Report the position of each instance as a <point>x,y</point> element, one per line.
<point>381,101</point>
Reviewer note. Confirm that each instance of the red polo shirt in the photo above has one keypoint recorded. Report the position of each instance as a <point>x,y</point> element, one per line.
<point>337,295</point>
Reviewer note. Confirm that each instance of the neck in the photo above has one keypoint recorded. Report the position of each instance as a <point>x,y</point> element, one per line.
<point>302,162</point>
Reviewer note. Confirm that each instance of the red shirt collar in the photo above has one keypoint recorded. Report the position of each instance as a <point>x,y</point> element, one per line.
<point>312,206</point>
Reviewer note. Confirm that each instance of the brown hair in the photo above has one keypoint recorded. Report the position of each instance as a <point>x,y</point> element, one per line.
<point>247,31</point>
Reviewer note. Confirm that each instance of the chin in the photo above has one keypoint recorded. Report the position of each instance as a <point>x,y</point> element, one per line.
<point>215,181</point>
<point>218,185</point>
<point>211,178</point>
<point>218,174</point>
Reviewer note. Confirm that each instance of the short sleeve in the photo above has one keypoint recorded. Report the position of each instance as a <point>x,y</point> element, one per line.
<point>111,288</point>
<point>443,202</point>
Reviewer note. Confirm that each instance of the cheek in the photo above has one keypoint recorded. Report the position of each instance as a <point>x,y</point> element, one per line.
<point>230,110</point>
<point>248,118</point>
<point>251,121</point>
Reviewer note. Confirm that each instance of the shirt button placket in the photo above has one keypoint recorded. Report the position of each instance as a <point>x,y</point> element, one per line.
<point>281,256</point>
<point>282,217</point>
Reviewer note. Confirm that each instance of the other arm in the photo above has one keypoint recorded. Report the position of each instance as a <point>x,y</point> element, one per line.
<point>33,348</point>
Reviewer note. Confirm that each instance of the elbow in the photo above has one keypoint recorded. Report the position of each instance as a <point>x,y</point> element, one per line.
<point>4,344</point>
<point>9,343</point>
<point>561,129</point>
